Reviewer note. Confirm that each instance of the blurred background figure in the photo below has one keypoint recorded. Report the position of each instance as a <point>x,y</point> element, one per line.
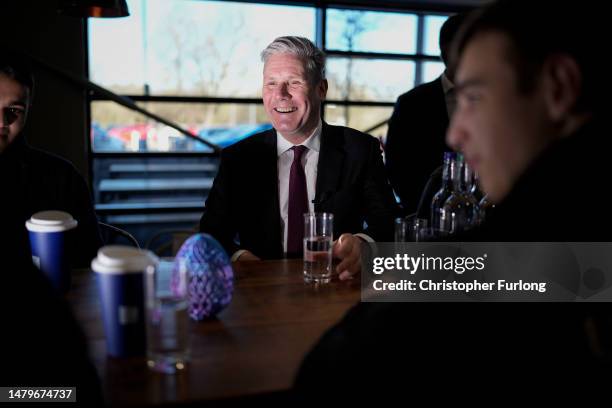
<point>416,137</point>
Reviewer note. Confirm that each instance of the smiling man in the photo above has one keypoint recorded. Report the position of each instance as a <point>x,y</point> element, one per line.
<point>267,182</point>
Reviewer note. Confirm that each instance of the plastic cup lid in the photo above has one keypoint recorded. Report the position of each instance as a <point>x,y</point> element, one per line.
<point>118,259</point>
<point>51,221</point>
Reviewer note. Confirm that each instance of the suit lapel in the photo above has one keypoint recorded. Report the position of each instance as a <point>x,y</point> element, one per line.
<point>331,161</point>
<point>269,176</point>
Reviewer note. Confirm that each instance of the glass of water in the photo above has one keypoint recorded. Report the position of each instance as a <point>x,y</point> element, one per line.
<point>318,241</point>
<point>167,301</point>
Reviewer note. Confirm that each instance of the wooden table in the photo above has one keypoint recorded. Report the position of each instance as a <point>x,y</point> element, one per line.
<point>254,348</point>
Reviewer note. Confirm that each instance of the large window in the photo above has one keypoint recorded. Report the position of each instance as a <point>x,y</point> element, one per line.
<point>196,63</point>
<point>188,51</point>
<point>371,31</point>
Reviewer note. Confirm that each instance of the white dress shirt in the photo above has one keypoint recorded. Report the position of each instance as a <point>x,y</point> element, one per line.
<point>310,160</point>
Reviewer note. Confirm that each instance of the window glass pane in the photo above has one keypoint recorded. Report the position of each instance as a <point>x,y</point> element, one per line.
<point>371,31</point>
<point>116,58</point>
<point>368,80</point>
<point>359,117</point>
<point>432,34</point>
<point>432,70</point>
<point>118,129</point>
<point>189,47</point>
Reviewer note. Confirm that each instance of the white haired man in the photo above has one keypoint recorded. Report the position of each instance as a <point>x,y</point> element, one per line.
<point>266,182</point>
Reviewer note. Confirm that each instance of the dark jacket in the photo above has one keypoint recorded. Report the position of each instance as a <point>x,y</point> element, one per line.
<point>562,195</point>
<point>242,210</point>
<point>415,143</point>
<point>559,198</point>
<point>42,344</point>
<point>31,181</point>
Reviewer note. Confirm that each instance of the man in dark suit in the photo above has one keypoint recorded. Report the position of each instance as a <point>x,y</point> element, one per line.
<point>267,182</point>
<point>417,128</point>
<point>531,118</point>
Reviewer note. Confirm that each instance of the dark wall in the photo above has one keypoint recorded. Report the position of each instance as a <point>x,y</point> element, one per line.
<point>57,121</point>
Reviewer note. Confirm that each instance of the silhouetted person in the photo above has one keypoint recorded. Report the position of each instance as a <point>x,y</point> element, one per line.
<point>415,142</point>
<point>33,180</point>
<point>41,343</point>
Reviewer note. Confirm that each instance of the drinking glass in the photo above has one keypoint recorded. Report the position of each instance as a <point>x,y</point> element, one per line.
<point>167,302</point>
<point>318,241</point>
<point>410,228</point>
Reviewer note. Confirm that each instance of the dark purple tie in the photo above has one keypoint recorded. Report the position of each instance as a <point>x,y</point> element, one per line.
<point>298,203</point>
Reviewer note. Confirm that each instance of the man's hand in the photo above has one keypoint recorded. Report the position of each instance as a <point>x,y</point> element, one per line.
<point>248,256</point>
<point>348,249</point>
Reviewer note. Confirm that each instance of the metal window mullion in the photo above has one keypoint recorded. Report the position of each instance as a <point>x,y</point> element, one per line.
<point>89,143</point>
<point>379,55</point>
<point>183,99</point>
<point>372,104</point>
<point>321,26</point>
<point>418,72</point>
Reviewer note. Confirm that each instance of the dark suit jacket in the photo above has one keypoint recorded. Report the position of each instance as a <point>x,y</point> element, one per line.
<point>242,210</point>
<point>416,141</point>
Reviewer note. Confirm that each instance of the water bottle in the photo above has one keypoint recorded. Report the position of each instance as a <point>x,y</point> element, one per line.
<point>484,208</point>
<point>448,174</point>
<point>475,188</point>
<point>460,211</point>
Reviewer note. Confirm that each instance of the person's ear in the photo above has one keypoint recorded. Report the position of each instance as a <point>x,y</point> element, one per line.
<point>562,85</point>
<point>322,89</point>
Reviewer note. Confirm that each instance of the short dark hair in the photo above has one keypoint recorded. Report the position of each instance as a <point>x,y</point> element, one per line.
<point>537,31</point>
<point>448,32</point>
<point>18,68</point>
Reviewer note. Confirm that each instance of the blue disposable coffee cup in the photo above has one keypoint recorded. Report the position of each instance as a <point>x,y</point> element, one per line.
<point>120,272</point>
<point>50,234</point>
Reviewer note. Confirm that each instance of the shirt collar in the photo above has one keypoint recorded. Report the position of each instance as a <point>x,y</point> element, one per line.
<point>313,142</point>
<point>447,85</point>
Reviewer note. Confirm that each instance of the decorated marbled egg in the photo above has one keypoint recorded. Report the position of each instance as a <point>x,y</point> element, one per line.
<point>211,283</point>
